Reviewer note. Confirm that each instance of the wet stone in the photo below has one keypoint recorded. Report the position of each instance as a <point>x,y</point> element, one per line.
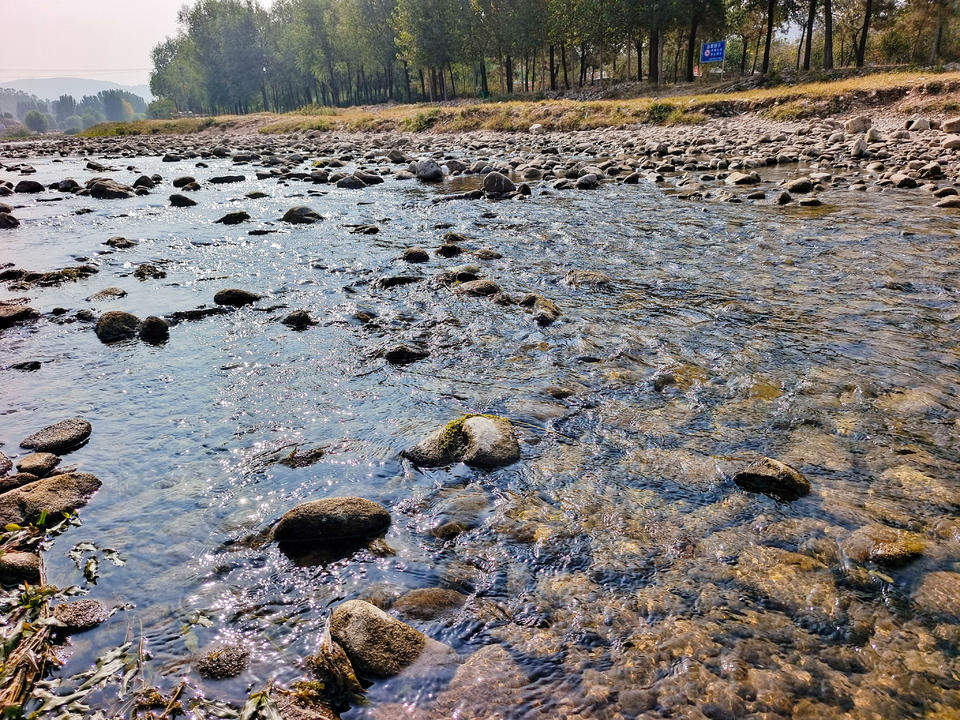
<point>416,255</point>
<point>773,478</point>
<point>116,325</point>
<point>53,495</point>
<point>299,320</point>
<point>222,661</point>
<point>428,603</point>
<point>939,595</point>
<point>234,218</point>
<point>19,567</point>
<point>235,297</point>
<point>9,482</point>
<point>301,215</point>
<point>39,464</point>
<point>331,520</point>
<point>481,440</point>
<point>883,545</point>
<point>59,437</point>
<point>377,644</point>
<point>181,201</point>
<point>79,615</point>
<point>154,329</point>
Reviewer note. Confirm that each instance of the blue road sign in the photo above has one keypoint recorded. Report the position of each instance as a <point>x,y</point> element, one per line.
<point>713,51</point>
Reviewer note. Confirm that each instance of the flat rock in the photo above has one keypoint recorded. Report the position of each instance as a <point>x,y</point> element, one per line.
<point>9,482</point>
<point>883,545</point>
<point>56,495</point>
<point>13,313</point>
<point>321,523</point>
<point>939,594</point>
<point>79,615</point>
<point>39,464</point>
<point>773,478</point>
<point>222,661</point>
<point>59,437</point>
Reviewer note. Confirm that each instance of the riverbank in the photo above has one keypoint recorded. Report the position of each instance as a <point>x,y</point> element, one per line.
<point>902,93</point>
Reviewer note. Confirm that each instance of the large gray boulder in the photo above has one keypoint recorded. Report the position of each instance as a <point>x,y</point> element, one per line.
<point>428,171</point>
<point>495,183</point>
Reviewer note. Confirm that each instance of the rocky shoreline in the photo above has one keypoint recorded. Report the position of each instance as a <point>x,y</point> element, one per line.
<point>369,638</point>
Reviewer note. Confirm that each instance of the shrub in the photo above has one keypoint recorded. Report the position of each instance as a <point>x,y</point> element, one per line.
<point>35,121</point>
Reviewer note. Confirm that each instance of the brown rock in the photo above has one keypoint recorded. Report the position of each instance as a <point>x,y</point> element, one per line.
<point>39,464</point>
<point>773,478</point>
<point>59,437</point>
<point>18,567</point>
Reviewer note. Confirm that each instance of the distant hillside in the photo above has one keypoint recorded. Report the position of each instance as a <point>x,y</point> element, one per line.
<point>52,88</point>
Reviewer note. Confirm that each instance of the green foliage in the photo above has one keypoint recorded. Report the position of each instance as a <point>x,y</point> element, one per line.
<point>36,121</point>
<point>73,123</point>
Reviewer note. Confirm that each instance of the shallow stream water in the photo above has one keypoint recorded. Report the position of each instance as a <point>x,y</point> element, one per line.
<point>617,563</point>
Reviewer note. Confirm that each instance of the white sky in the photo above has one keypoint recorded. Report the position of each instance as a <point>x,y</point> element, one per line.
<point>97,39</point>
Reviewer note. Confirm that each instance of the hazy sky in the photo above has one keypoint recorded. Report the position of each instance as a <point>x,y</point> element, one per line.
<point>98,39</point>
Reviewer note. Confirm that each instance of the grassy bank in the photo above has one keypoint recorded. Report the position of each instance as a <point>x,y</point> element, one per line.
<point>939,92</point>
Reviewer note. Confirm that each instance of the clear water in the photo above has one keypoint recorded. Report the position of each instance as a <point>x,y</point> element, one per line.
<point>616,562</point>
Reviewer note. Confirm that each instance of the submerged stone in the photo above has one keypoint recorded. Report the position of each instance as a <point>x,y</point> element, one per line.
<point>773,478</point>
<point>331,520</point>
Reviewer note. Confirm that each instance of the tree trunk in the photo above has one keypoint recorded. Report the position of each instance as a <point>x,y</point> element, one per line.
<point>553,70</point>
<point>828,34</point>
<point>803,34</point>
<point>563,61</point>
<point>756,54</point>
<point>653,56</point>
<point>691,42</point>
<point>453,84</point>
<point>583,65</point>
<point>676,57</point>
<point>811,16</point>
<point>509,71</point>
<point>938,42</point>
<point>639,44</point>
<point>771,15</point>
<point>484,89</point>
<point>862,46</point>
<point>743,55</point>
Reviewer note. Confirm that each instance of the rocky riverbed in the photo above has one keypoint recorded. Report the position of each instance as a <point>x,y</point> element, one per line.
<point>641,422</point>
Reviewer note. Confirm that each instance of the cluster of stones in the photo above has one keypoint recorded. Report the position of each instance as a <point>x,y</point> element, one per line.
<point>40,489</point>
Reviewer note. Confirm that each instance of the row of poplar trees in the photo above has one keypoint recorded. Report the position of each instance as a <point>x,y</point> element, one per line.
<point>236,56</point>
